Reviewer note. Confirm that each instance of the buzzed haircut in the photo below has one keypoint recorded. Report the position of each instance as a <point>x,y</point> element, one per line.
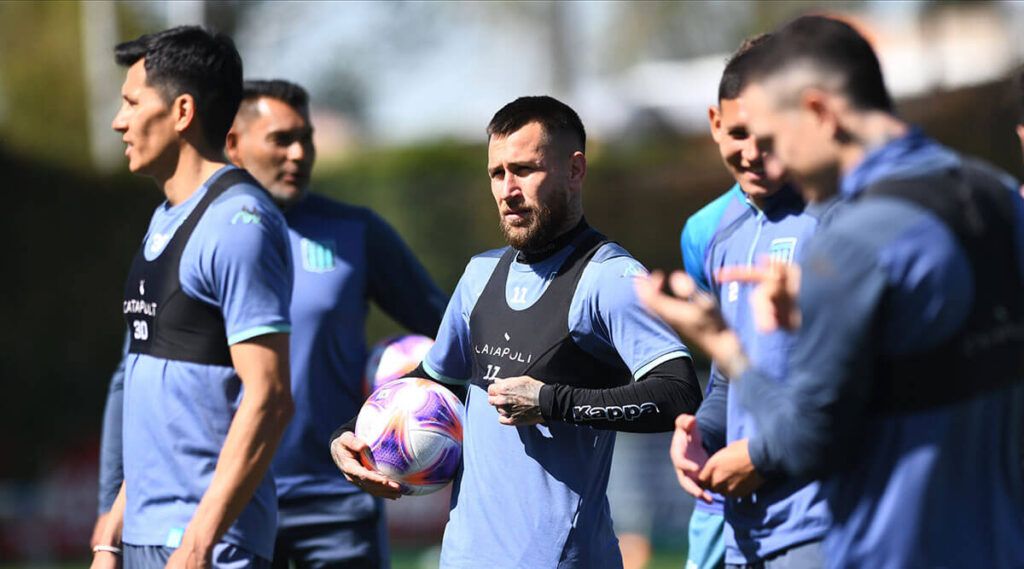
<point>287,92</point>
<point>191,60</point>
<point>831,47</point>
<point>734,77</point>
<point>559,121</point>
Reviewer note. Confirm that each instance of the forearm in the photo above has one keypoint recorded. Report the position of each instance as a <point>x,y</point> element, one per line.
<point>713,413</point>
<point>648,405</point>
<point>111,463</point>
<point>110,533</point>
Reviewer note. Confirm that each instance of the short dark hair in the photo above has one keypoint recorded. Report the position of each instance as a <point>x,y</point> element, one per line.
<point>734,77</point>
<point>557,118</point>
<point>831,46</point>
<point>287,92</point>
<point>189,59</point>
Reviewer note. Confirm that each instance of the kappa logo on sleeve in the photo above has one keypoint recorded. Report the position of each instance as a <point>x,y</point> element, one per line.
<point>582,413</point>
<point>247,215</point>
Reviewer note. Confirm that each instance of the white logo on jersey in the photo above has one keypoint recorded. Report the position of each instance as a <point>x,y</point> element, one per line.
<point>142,287</point>
<point>507,337</point>
<point>157,242</point>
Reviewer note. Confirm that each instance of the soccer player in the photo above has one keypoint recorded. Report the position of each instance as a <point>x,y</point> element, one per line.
<point>206,386</point>
<point>904,389</point>
<point>783,522</point>
<point>706,530</point>
<point>344,256</point>
<point>547,342</point>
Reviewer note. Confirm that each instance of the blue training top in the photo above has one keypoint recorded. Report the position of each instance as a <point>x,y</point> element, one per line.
<point>344,256</point>
<point>784,513</point>
<point>498,477</point>
<point>694,242</point>
<point>934,488</point>
<point>176,413</point>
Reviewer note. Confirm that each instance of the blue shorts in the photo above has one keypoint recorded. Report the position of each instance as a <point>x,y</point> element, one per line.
<point>225,556</point>
<point>803,556</point>
<point>706,541</point>
<point>317,532</point>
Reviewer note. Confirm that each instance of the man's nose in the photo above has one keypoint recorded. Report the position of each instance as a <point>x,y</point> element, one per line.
<point>297,151</point>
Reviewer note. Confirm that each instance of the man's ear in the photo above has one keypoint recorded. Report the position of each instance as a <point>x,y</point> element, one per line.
<point>183,110</point>
<point>822,108</point>
<point>715,122</point>
<point>577,170</point>
<point>1020,135</point>
<point>231,147</point>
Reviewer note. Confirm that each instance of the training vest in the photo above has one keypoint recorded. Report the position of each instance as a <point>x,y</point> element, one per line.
<point>162,320</point>
<point>542,345</point>
<point>987,352</point>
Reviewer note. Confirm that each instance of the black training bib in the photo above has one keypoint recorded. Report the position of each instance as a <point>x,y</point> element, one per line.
<point>162,320</point>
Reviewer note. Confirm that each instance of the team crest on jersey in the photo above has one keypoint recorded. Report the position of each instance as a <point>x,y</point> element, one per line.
<point>317,256</point>
<point>782,249</point>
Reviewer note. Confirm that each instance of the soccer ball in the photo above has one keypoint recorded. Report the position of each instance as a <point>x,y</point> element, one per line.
<point>414,429</point>
<point>392,358</point>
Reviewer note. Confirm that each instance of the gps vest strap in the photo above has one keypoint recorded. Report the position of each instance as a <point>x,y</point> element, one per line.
<point>537,341</point>
<point>162,320</point>
<point>987,353</point>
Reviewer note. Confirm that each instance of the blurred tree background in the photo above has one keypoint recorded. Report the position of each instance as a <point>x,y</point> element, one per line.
<point>71,229</point>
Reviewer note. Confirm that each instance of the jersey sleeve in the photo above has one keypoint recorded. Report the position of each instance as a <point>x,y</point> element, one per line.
<point>241,262</point>
<point>829,381</point>
<point>398,283</point>
<point>449,360</point>
<point>608,321</point>
<point>694,249</point>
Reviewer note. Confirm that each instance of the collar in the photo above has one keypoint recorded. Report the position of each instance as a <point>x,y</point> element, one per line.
<point>557,244</point>
<point>912,154</point>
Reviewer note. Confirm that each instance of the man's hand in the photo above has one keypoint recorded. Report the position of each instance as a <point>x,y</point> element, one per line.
<point>730,471</point>
<point>692,313</point>
<point>347,450</point>
<point>517,400</point>
<point>774,300</point>
<point>688,456</point>
<point>189,555</point>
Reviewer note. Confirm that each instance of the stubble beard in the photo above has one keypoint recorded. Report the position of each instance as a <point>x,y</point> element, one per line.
<point>544,222</point>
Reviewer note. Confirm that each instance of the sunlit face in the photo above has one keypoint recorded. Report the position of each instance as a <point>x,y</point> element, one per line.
<point>757,174</point>
<point>803,145</point>
<point>276,147</point>
<point>530,184</point>
<point>147,126</point>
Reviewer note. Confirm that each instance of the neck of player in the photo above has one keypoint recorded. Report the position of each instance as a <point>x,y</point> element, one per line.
<point>194,166</point>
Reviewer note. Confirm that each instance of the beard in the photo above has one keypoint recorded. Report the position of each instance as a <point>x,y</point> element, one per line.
<point>543,223</point>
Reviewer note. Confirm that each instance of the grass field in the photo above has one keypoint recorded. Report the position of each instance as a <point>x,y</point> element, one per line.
<point>401,559</point>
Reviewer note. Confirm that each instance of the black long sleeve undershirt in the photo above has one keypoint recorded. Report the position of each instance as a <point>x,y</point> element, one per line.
<point>648,405</point>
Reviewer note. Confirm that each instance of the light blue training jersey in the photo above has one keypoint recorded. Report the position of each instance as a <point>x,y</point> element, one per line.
<point>176,413</point>
<point>500,485</point>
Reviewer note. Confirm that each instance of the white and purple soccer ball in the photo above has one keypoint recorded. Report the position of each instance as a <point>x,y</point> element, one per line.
<point>392,358</point>
<point>414,429</point>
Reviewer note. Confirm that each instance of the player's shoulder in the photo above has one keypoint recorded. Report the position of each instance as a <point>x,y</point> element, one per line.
<point>611,272</point>
<point>708,218</point>
<point>323,206</point>
<point>482,264</point>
